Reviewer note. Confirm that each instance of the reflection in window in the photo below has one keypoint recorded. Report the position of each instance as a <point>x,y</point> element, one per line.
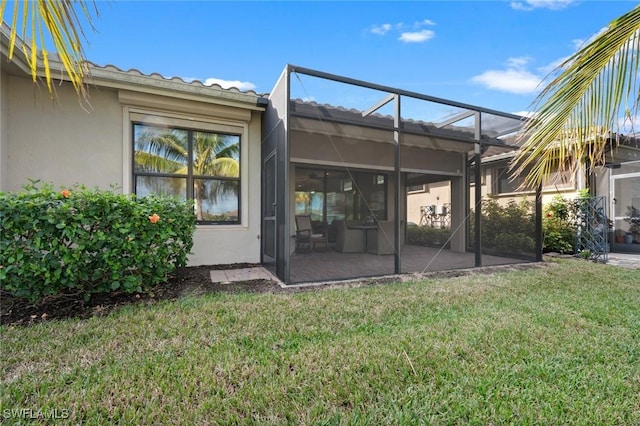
<point>158,185</point>
<point>203,166</point>
<point>505,183</point>
<point>329,195</point>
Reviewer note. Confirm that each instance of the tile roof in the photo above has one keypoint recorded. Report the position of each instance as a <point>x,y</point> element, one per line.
<point>159,77</point>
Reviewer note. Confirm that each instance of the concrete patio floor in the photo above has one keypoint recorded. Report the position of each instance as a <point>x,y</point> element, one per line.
<point>328,264</point>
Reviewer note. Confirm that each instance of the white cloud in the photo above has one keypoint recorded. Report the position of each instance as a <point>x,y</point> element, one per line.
<point>226,84</point>
<point>529,5</point>
<point>514,79</point>
<point>381,29</point>
<point>510,80</point>
<point>428,22</point>
<point>518,62</point>
<point>417,37</point>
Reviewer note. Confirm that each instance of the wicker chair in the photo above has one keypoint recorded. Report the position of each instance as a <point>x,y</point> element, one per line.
<point>305,237</point>
<point>349,240</point>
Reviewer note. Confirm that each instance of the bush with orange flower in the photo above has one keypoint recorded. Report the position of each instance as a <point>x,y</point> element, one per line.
<point>89,241</point>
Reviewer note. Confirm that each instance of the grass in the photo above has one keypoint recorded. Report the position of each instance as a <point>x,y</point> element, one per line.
<point>556,345</point>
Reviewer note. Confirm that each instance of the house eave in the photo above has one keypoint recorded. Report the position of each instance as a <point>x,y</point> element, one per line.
<point>110,76</point>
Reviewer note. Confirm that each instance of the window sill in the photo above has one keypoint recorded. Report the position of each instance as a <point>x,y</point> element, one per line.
<point>218,227</point>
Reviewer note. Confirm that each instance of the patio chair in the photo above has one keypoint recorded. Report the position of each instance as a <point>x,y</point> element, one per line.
<point>382,240</point>
<point>305,235</point>
<point>349,240</point>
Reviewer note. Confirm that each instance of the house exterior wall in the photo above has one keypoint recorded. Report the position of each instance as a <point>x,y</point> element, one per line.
<point>440,193</point>
<point>433,194</point>
<point>220,244</point>
<point>57,140</point>
<point>4,90</point>
<point>60,142</point>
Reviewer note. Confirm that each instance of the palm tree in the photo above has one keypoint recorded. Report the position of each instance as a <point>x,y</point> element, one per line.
<point>581,111</point>
<point>214,156</point>
<point>60,20</point>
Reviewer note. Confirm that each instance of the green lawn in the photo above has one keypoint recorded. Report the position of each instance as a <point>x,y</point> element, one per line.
<point>553,345</point>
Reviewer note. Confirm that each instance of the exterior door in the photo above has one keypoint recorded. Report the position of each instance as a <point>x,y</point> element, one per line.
<point>625,197</point>
<point>269,209</point>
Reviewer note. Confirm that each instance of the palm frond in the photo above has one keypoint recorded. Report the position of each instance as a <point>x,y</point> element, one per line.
<point>579,113</point>
<point>227,167</point>
<point>153,163</point>
<point>228,148</point>
<point>154,151</point>
<point>61,21</point>
<point>216,155</point>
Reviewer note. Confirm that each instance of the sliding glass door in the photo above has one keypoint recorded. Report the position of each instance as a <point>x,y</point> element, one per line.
<point>625,183</point>
<point>328,195</point>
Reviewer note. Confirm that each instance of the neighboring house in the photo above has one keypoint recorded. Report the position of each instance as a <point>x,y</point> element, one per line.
<point>496,183</point>
<point>618,181</point>
<point>348,166</point>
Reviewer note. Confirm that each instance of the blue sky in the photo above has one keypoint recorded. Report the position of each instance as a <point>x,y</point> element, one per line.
<point>488,53</point>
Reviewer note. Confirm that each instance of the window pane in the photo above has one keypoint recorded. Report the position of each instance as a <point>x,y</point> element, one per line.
<point>216,154</point>
<point>169,186</point>
<point>160,150</point>
<point>506,184</point>
<point>216,200</point>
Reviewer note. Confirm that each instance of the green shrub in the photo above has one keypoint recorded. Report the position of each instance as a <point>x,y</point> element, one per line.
<point>89,241</point>
<point>557,228</point>
<point>428,236</point>
<point>507,229</point>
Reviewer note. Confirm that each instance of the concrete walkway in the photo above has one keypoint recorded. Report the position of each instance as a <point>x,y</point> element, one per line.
<point>624,260</point>
<point>243,274</point>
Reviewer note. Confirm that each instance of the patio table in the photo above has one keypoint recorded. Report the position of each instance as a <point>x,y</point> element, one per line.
<point>366,229</point>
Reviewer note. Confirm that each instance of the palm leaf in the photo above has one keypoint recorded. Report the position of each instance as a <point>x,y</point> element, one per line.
<point>154,163</point>
<point>579,113</point>
<point>165,152</point>
<point>216,155</point>
<point>60,20</point>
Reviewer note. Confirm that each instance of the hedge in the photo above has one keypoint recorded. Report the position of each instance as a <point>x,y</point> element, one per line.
<point>89,241</point>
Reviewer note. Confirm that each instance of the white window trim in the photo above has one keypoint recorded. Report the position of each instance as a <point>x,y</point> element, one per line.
<point>194,122</point>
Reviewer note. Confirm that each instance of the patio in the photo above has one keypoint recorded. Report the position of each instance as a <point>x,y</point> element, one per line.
<point>342,151</point>
<point>329,265</point>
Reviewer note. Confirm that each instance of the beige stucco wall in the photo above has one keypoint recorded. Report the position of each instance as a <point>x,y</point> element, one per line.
<point>440,193</point>
<point>223,244</point>
<point>58,141</point>
<point>3,125</point>
<point>435,193</point>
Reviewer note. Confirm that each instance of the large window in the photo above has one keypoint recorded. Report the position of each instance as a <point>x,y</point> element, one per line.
<point>506,184</point>
<point>329,195</point>
<point>190,164</point>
